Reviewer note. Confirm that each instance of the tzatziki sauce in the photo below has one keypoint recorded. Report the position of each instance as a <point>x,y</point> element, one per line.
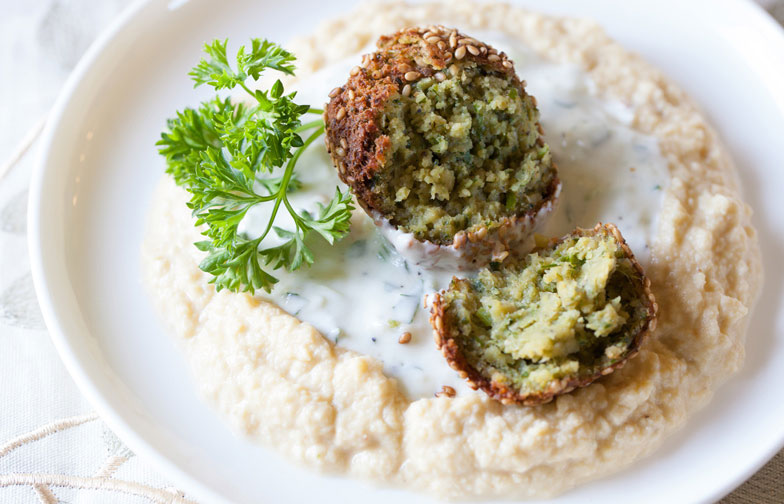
<point>364,296</point>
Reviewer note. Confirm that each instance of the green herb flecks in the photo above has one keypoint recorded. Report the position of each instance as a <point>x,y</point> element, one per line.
<point>231,156</point>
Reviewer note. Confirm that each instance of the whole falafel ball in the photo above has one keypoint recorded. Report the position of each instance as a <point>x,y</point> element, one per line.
<point>438,140</point>
<point>544,324</point>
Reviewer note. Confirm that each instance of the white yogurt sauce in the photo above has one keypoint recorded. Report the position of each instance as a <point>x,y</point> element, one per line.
<point>610,173</point>
<point>363,295</point>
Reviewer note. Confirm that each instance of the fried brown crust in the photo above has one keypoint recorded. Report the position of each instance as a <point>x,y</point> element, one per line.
<point>445,338</point>
<point>354,139</point>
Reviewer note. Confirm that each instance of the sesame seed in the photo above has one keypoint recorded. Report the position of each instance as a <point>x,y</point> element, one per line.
<point>453,70</point>
<point>472,49</point>
<point>453,40</point>
<point>493,57</point>
<point>334,92</point>
<point>404,338</point>
<point>412,76</point>
<point>433,39</point>
<point>406,90</point>
<point>460,52</point>
<point>441,45</point>
<point>428,34</point>
<point>340,151</point>
<point>508,64</point>
<point>446,391</point>
<point>376,74</point>
<point>483,50</point>
<point>403,68</point>
<point>341,114</point>
<point>350,94</point>
<point>344,144</point>
<point>354,71</point>
<point>440,77</point>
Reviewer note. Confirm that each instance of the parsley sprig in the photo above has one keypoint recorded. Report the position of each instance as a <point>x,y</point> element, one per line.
<point>231,157</point>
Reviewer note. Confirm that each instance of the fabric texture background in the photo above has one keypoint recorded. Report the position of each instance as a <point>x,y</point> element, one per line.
<point>53,448</point>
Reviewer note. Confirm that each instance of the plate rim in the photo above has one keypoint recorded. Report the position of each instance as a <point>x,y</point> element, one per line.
<point>65,351</point>
<point>117,423</point>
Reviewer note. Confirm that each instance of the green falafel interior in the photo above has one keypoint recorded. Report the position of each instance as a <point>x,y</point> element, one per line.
<point>436,134</point>
<point>465,152</point>
<point>551,321</point>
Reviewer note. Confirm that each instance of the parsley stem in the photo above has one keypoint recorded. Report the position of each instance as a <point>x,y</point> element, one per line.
<point>248,90</point>
<point>284,184</point>
<point>312,110</point>
<point>309,125</point>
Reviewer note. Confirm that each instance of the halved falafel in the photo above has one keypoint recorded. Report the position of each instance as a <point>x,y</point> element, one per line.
<point>547,323</point>
<point>438,139</point>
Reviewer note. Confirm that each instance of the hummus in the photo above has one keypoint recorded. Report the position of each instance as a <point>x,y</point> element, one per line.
<point>282,383</point>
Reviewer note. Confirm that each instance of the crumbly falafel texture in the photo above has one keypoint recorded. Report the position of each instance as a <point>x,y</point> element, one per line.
<point>440,139</point>
<point>544,324</point>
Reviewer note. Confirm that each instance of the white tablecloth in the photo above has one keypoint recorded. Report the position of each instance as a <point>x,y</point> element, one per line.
<point>53,447</point>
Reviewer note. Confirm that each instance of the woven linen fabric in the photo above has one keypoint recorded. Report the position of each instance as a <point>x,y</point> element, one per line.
<point>53,447</point>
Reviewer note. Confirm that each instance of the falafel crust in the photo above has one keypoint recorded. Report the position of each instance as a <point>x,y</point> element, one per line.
<point>610,336</point>
<point>437,137</point>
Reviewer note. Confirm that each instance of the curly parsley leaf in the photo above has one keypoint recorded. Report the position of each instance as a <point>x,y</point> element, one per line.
<point>229,157</point>
<point>216,70</point>
<point>333,220</point>
<point>263,55</point>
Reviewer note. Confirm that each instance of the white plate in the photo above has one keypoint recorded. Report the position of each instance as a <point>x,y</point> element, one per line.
<point>90,194</point>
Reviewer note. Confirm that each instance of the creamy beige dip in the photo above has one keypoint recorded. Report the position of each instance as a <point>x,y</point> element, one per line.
<point>365,405</point>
